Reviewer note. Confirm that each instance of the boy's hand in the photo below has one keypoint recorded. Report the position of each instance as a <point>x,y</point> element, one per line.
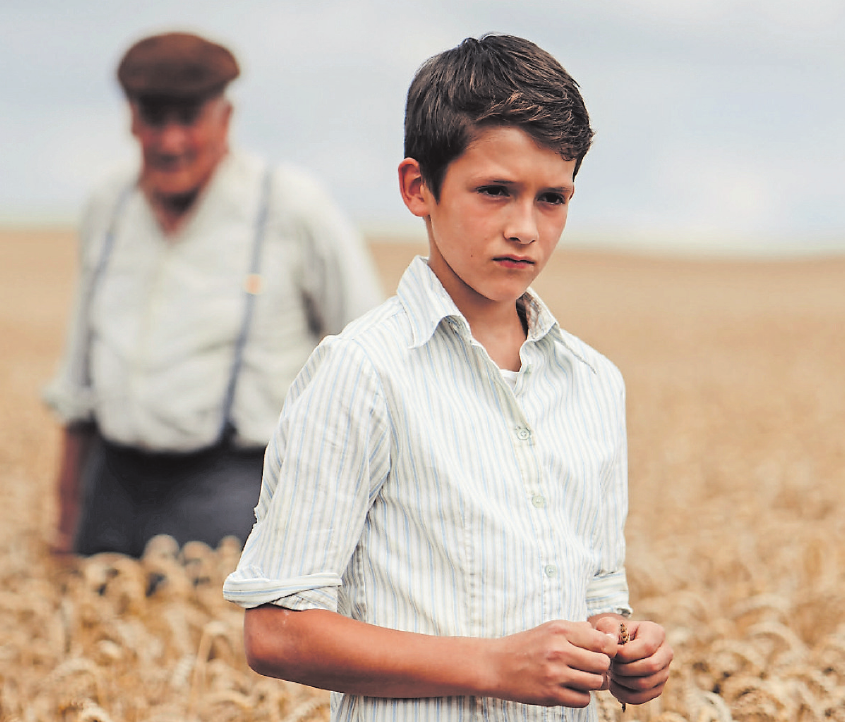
<point>557,663</point>
<point>641,666</point>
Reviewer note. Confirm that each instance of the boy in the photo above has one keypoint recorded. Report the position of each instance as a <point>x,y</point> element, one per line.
<point>440,528</point>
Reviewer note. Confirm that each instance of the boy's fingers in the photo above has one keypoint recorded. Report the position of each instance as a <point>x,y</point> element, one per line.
<point>596,663</point>
<point>595,641</point>
<point>586,681</point>
<point>580,634</point>
<point>631,652</point>
<point>647,642</point>
<point>637,690</point>
<point>583,650</point>
<point>609,625</point>
<point>635,660</point>
<point>587,637</point>
<point>594,660</point>
<point>628,696</point>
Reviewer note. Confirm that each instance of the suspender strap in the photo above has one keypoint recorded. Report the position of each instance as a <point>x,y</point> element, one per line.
<point>96,275</point>
<point>252,287</point>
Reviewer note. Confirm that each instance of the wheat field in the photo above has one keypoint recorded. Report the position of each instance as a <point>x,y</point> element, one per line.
<point>736,533</point>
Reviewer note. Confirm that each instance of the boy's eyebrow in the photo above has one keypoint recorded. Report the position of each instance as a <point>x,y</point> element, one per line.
<point>565,188</point>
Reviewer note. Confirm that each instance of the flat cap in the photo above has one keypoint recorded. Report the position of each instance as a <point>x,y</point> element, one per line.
<point>176,65</point>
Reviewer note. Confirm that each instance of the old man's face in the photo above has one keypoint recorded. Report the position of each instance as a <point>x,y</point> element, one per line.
<point>181,143</point>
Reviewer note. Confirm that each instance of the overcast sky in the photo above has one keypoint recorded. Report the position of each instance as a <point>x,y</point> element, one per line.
<point>719,122</point>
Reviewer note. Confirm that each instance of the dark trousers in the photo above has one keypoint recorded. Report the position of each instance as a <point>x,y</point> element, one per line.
<point>130,496</point>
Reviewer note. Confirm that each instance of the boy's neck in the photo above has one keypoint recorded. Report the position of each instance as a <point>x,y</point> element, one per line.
<point>497,325</point>
<point>501,330</point>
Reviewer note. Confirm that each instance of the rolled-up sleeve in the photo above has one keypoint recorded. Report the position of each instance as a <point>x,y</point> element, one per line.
<point>608,593</point>
<point>250,587</point>
<point>322,470</point>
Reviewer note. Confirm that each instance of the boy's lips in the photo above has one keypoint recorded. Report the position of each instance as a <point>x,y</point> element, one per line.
<point>514,261</point>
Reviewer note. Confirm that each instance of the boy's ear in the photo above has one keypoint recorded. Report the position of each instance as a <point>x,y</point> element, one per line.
<point>415,193</point>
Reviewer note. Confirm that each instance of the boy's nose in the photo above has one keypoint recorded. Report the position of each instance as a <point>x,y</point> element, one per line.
<point>522,225</point>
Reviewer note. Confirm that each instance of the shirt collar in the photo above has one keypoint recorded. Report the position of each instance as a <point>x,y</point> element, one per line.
<point>428,304</point>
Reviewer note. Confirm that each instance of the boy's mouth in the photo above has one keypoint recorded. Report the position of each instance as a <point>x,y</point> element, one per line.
<point>514,261</point>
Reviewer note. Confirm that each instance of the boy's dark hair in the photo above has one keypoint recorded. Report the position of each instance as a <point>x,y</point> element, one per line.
<point>491,81</point>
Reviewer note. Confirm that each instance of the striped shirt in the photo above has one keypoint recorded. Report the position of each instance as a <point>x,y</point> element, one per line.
<point>424,492</point>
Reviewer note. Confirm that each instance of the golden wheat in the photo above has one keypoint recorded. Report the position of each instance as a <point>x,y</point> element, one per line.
<point>736,534</point>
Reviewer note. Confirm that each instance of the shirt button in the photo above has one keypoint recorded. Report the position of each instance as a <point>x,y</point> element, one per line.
<point>550,570</point>
<point>538,500</point>
<point>522,433</point>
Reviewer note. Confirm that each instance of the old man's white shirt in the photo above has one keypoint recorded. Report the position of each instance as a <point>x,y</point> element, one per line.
<point>159,338</point>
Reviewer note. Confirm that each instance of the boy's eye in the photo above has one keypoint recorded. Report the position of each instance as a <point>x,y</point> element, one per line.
<point>557,199</point>
<point>493,190</point>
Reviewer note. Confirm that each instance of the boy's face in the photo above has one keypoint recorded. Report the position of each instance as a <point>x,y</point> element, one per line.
<point>502,208</point>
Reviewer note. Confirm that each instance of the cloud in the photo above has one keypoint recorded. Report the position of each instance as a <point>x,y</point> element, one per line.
<point>729,103</point>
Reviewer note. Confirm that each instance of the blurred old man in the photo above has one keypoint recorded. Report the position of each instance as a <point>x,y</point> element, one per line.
<point>207,278</point>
